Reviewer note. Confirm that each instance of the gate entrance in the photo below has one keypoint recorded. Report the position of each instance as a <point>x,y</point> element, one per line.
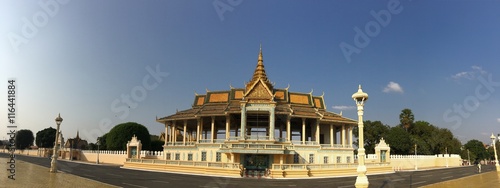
<point>256,165</point>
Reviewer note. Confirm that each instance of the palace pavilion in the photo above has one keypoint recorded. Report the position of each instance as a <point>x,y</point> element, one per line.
<point>259,128</point>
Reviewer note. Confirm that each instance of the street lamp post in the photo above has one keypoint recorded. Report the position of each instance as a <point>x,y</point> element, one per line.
<point>493,139</point>
<point>416,166</point>
<point>446,151</point>
<point>362,180</point>
<point>71,150</point>
<point>98,143</point>
<point>468,156</point>
<point>53,163</point>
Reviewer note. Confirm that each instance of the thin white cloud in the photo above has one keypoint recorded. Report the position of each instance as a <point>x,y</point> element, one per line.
<point>343,107</point>
<point>469,75</point>
<point>498,120</point>
<point>393,87</point>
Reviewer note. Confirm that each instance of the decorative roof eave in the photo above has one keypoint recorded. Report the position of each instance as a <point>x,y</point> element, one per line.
<point>338,121</point>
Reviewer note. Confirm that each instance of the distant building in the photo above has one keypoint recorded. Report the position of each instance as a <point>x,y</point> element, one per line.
<point>76,143</point>
<point>259,126</point>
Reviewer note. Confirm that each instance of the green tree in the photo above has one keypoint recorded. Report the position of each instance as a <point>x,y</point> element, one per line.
<point>119,135</point>
<point>102,142</point>
<point>400,141</point>
<point>406,118</point>
<point>476,150</point>
<point>92,146</point>
<point>157,145</point>
<point>46,138</point>
<point>24,139</point>
<point>372,133</point>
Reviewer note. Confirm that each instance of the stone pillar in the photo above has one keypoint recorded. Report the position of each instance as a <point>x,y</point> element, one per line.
<point>184,136</point>
<point>317,132</point>
<point>166,133</point>
<point>331,135</point>
<point>228,123</point>
<point>271,124</point>
<point>288,130</point>
<point>175,132</point>
<point>243,121</point>
<point>303,130</point>
<point>212,130</point>
<point>350,136</point>
<point>198,135</point>
<point>343,135</point>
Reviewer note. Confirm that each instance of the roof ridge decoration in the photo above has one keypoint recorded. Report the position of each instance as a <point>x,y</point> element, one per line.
<point>259,89</point>
<point>259,74</point>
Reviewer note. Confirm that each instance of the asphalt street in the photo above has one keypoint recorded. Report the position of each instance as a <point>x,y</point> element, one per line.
<point>117,176</point>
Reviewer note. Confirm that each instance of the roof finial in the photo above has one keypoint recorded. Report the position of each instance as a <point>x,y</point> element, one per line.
<point>259,73</point>
<point>260,54</point>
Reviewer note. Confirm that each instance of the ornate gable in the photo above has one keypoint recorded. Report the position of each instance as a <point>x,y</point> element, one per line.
<point>259,93</point>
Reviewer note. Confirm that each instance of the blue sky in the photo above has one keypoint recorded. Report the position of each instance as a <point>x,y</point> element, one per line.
<point>82,58</point>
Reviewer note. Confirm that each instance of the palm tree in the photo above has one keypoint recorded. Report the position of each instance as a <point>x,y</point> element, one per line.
<point>406,118</point>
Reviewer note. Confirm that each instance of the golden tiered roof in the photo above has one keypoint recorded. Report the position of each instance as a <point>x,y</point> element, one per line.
<point>259,74</point>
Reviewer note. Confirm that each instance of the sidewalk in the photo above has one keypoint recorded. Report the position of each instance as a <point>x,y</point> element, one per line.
<point>31,175</point>
<point>486,180</point>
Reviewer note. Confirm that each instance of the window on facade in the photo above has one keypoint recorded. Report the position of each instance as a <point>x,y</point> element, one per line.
<point>348,159</point>
<point>177,156</point>
<point>203,156</point>
<point>168,156</point>
<point>218,157</point>
<point>190,157</point>
<point>296,158</point>
<point>338,159</point>
<point>311,158</point>
<point>325,159</point>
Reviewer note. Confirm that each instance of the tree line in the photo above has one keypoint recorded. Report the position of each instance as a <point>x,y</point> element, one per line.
<point>420,137</point>
<point>115,139</point>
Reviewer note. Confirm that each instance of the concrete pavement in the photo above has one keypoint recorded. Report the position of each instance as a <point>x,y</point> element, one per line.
<point>32,175</point>
<point>486,180</point>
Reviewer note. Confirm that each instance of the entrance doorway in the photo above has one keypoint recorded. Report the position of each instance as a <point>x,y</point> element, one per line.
<point>256,165</point>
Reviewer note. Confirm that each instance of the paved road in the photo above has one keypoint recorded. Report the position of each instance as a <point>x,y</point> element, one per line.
<point>115,175</point>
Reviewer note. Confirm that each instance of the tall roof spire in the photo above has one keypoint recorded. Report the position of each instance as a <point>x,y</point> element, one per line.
<point>260,72</point>
<point>260,60</point>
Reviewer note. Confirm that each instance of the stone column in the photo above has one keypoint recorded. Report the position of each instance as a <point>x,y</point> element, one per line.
<point>343,135</point>
<point>350,136</point>
<point>228,123</point>
<point>243,121</point>
<point>175,132</point>
<point>271,123</point>
<point>331,134</point>
<point>303,130</point>
<point>288,130</point>
<point>166,133</point>
<point>198,135</point>
<point>317,131</point>
<point>184,132</point>
<point>212,130</point>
